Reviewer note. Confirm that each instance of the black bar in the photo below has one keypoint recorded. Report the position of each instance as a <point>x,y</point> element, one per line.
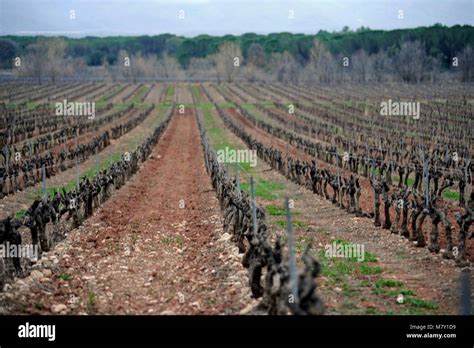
<point>242,330</point>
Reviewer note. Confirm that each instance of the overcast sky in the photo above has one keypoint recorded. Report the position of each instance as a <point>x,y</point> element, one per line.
<point>220,17</point>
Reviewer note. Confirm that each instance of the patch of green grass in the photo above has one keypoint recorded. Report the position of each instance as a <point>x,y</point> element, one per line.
<point>393,288</point>
<point>343,267</point>
<point>295,223</point>
<point>119,107</point>
<point>404,292</point>
<point>337,271</point>
<point>365,283</point>
<point>265,103</point>
<point>170,91</point>
<point>372,310</point>
<point>227,105</point>
<point>281,223</point>
<point>20,214</point>
<point>369,257</point>
<point>197,93</point>
<point>275,210</point>
<point>39,306</point>
<point>29,105</point>
<point>265,189</point>
<point>388,283</point>
<point>451,195</point>
<point>165,105</point>
<point>349,291</point>
<point>100,104</point>
<point>141,106</point>
<point>367,270</point>
<point>299,224</point>
<point>65,276</point>
<point>216,133</point>
<point>334,268</point>
<point>419,303</point>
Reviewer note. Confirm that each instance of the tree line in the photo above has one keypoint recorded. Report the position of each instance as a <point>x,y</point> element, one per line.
<point>408,55</point>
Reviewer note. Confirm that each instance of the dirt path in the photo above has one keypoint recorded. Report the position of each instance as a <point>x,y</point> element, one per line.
<point>156,247</point>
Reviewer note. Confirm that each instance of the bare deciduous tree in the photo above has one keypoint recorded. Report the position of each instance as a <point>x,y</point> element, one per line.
<point>169,68</point>
<point>226,57</point>
<point>141,68</point>
<point>45,59</point>
<point>381,65</point>
<point>56,64</point>
<point>124,65</point>
<point>254,62</point>
<point>287,68</point>
<point>34,63</point>
<point>200,68</point>
<point>322,62</point>
<point>361,66</point>
<point>466,64</point>
<point>410,61</point>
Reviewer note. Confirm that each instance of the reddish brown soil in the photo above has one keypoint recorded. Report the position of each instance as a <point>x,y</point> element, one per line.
<point>144,253</point>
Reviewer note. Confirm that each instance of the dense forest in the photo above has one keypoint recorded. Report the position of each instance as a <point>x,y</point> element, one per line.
<point>439,41</point>
<point>425,54</point>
